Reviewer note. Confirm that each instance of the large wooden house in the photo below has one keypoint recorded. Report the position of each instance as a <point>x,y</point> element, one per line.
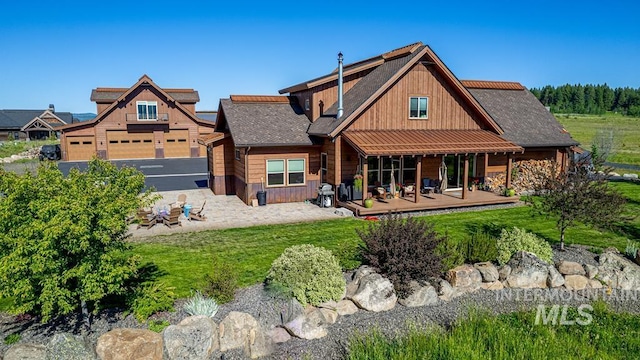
<point>32,124</point>
<point>140,122</point>
<point>403,111</point>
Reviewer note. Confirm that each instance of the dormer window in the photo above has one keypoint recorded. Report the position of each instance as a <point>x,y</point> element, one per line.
<point>418,107</point>
<point>147,110</point>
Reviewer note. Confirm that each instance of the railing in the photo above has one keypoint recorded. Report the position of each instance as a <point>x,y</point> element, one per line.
<point>133,118</point>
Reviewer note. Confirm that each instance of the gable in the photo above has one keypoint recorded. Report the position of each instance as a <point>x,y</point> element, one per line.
<point>37,124</point>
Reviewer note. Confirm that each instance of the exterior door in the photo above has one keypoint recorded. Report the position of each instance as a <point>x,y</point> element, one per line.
<point>80,148</point>
<point>176,144</point>
<point>125,145</point>
<point>455,170</point>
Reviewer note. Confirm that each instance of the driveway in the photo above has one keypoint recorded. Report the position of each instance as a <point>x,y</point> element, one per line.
<point>162,174</point>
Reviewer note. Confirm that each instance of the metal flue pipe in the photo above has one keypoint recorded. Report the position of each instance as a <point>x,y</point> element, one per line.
<point>340,108</point>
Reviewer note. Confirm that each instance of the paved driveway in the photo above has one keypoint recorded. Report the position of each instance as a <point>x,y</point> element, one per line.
<point>163,174</point>
<point>223,211</point>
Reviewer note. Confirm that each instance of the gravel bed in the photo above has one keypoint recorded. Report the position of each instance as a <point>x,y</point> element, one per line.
<point>268,309</point>
<point>461,209</point>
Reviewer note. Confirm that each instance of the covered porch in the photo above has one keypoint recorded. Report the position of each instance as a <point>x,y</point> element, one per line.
<point>450,161</point>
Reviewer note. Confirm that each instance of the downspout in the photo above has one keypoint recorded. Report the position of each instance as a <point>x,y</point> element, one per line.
<point>246,174</point>
<point>340,108</point>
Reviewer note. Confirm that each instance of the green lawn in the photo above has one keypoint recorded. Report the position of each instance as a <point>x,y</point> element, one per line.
<point>512,336</point>
<point>10,147</point>
<point>584,127</point>
<point>184,258</point>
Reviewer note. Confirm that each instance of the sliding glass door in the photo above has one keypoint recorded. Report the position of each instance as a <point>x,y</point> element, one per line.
<point>455,170</point>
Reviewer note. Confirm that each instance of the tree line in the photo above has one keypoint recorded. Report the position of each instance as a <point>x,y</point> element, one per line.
<point>589,99</point>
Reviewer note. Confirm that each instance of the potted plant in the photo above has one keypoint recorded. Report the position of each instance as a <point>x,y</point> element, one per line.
<point>357,186</point>
<point>368,202</point>
<point>398,190</point>
<point>509,192</point>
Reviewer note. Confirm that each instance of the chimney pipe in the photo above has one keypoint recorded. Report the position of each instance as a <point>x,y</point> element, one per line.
<point>340,109</point>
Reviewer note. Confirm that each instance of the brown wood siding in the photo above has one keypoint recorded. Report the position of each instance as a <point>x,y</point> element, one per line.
<point>350,161</point>
<point>430,168</point>
<point>327,94</point>
<point>258,161</point>
<point>284,194</point>
<point>329,148</point>
<point>446,110</point>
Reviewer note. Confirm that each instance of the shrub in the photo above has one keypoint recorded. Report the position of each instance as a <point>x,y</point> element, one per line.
<point>222,282</point>
<point>631,250</point>
<point>198,304</point>
<point>150,298</point>
<point>516,240</point>
<point>479,246</point>
<point>312,274</point>
<point>403,250</point>
<point>12,339</point>
<point>158,325</point>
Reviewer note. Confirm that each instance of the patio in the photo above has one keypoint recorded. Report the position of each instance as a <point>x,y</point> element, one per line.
<point>449,199</point>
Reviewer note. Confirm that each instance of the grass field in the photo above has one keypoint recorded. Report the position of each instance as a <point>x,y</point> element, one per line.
<point>584,127</point>
<point>184,258</point>
<point>9,147</point>
<point>510,336</point>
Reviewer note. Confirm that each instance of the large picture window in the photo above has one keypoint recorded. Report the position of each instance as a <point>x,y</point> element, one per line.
<point>147,110</point>
<point>419,107</point>
<point>283,173</point>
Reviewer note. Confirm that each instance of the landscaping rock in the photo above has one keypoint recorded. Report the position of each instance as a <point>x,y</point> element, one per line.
<point>420,295</point>
<point>464,277</point>
<point>527,271</point>
<point>488,271</point>
<point>375,293</point>
<point>234,331</point>
<point>331,305</point>
<point>65,346</point>
<point>260,344</point>
<point>576,282</point>
<point>555,279</point>
<point>125,344</point>
<point>591,271</point>
<point>343,212</point>
<point>446,292</point>
<point>195,337</point>
<point>637,259</point>
<point>362,271</point>
<point>611,249</point>
<point>496,285</point>
<point>346,307</point>
<point>26,352</point>
<point>595,284</point>
<point>330,316</point>
<point>279,335</point>
<point>618,272</point>
<point>504,272</point>
<point>308,326</point>
<point>570,268</point>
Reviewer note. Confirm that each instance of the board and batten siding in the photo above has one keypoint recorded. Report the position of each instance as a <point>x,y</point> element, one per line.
<point>446,109</point>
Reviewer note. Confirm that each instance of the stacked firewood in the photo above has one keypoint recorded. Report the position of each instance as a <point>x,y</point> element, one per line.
<point>526,176</point>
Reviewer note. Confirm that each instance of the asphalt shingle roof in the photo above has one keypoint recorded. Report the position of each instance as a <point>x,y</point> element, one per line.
<point>266,124</point>
<point>360,93</point>
<point>523,118</point>
<point>111,95</point>
<point>16,119</point>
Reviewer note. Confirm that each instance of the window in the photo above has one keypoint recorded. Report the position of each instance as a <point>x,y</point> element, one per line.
<point>147,110</point>
<point>295,171</point>
<point>306,104</point>
<point>373,173</point>
<point>237,154</point>
<point>409,169</point>
<point>293,168</point>
<point>418,107</point>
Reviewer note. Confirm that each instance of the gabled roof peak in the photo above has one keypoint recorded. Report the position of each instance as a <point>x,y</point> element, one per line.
<point>495,85</point>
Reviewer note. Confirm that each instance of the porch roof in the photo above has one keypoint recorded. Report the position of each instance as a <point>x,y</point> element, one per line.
<point>427,142</point>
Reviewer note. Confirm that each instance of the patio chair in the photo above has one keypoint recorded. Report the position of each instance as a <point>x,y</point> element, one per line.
<point>146,219</point>
<point>182,199</point>
<point>381,193</point>
<point>427,186</point>
<point>409,190</point>
<point>172,218</point>
<point>198,215</point>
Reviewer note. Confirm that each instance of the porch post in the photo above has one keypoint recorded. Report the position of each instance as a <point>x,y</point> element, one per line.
<point>418,178</point>
<point>465,179</point>
<point>486,166</point>
<point>509,168</point>
<point>338,161</point>
<point>365,178</point>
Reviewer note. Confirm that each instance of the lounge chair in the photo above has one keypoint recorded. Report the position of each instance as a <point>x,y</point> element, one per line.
<point>428,186</point>
<point>182,199</point>
<point>173,217</point>
<point>146,218</point>
<point>198,215</point>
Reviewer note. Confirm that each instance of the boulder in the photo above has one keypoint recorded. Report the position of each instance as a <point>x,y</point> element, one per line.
<point>420,295</point>
<point>64,346</point>
<point>527,271</point>
<point>346,307</point>
<point>618,272</point>
<point>234,331</point>
<point>496,285</point>
<point>504,272</point>
<point>555,279</point>
<point>279,335</point>
<point>361,272</point>
<point>446,292</point>
<point>570,268</point>
<point>195,337</point>
<point>611,249</point>
<point>260,343</point>
<point>637,259</point>
<point>125,344</point>
<point>590,271</point>
<point>595,284</point>
<point>464,276</point>
<point>576,282</point>
<point>375,293</point>
<point>330,316</point>
<point>26,352</point>
<point>488,271</point>
<point>331,305</point>
<point>309,325</point>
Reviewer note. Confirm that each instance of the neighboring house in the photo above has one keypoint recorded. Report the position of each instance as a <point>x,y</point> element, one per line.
<point>140,122</point>
<point>32,124</point>
<point>402,110</point>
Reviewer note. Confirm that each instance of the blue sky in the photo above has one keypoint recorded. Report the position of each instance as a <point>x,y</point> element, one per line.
<point>56,52</point>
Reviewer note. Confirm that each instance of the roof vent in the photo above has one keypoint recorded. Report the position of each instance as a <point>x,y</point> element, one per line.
<point>340,108</point>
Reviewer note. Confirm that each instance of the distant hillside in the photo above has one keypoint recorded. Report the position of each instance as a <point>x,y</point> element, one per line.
<point>589,99</point>
<point>83,116</point>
